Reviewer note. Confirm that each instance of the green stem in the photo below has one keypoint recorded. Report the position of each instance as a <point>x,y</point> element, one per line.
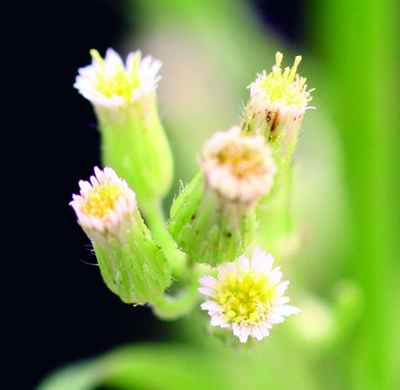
<point>166,306</point>
<point>157,223</point>
<point>169,307</point>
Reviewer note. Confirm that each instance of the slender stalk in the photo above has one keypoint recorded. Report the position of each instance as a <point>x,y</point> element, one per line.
<point>155,218</point>
<point>171,306</point>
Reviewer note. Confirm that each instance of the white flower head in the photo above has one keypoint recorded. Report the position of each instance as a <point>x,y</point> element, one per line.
<point>240,168</point>
<point>281,89</point>
<point>108,82</point>
<point>104,201</point>
<point>247,297</point>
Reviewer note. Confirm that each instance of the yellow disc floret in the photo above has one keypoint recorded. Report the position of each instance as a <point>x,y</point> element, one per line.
<point>285,87</point>
<point>243,159</point>
<point>117,81</point>
<point>100,201</point>
<point>245,297</point>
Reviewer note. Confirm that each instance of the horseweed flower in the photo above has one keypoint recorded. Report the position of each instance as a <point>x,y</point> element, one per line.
<point>247,297</point>
<point>131,263</point>
<point>133,139</point>
<point>213,219</point>
<point>278,101</point>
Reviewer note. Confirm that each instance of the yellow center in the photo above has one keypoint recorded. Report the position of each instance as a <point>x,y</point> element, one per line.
<point>101,199</point>
<point>243,159</point>
<point>117,82</point>
<point>245,297</point>
<point>286,88</point>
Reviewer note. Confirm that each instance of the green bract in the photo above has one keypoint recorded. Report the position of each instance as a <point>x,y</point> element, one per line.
<point>131,263</point>
<point>208,227</point>
<point>135,145</point>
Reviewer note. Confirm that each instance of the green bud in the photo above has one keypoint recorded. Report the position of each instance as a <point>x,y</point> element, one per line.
<point>209,228</point>
<point>131,263</point>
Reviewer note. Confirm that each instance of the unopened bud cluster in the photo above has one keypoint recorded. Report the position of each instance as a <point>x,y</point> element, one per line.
<point>214,218</point>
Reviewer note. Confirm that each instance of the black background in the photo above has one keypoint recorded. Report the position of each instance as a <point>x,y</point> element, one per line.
<point>56,309</point>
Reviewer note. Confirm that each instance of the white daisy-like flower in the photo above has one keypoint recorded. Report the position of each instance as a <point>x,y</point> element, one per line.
<point>104,201</point>
<point>108,82</point>
<point>285,90</point>
<point>247,297</point>
<point>239,167</point>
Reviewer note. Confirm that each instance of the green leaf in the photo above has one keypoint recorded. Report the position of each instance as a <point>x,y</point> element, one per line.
<point>161,367</point>
<point>78,376</point>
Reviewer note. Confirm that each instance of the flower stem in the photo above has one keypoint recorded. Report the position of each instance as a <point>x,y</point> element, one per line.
<point>155,218</point>
<point>169,307</point>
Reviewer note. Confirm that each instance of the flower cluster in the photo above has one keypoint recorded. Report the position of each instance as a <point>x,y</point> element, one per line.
<point>213,220</point>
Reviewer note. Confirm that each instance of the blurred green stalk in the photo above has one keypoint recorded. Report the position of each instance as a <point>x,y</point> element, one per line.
<point>359,43</point>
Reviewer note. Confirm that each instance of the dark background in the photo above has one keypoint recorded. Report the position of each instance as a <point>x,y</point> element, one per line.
<point>57,309</point>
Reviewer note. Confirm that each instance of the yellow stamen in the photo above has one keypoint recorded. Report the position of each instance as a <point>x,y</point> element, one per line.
<point>246,299</point>
<point>286,88</point>
<point>100,201</point>
<point>136,59</point>
<point>293,71</point>
<point>117,81</point>
<point>243,159</point>
<point>97,57</point>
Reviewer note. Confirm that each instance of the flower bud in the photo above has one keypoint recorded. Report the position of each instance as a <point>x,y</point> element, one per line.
<point>275,110</point>
<point>213,219</point>
<point>132,265</point>
<point>133,139</point>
